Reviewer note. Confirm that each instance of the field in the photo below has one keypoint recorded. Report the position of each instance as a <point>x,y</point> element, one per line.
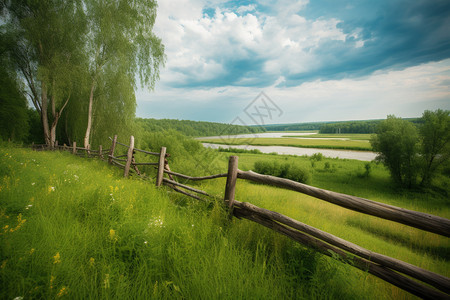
<point>352,143</point>
<point>72,227</point>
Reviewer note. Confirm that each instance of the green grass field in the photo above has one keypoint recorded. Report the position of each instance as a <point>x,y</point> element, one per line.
<point>362,145</point>
<point>352,136</point>
<point>74,228</point>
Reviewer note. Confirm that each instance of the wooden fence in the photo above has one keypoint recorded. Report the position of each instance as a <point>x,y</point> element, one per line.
<point>417,281</point>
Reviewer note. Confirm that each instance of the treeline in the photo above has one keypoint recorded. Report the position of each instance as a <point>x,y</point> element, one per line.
<point>195,128</point>
<point>294,127</point>
<point>78,63</point>
<point>351,127</point>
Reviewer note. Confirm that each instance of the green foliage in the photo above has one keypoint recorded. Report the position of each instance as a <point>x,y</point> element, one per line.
<point>396,143</point>
<point>237,150</point>
<point>13,109</point>
<point>350,127</point>
<point>284,170</point>
<point>435,144</point>
<point>410,152</point>
<point>196,128</point>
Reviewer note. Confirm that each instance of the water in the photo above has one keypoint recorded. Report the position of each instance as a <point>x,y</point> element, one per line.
<point>348,154</point>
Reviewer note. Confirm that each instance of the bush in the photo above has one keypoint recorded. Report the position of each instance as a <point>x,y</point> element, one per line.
<point>286,170</point>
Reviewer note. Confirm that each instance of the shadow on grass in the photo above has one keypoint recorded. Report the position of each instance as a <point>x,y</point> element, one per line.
<point>439,252</point>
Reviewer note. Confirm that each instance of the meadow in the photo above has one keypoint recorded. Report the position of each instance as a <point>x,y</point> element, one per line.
<point>346,142</point>
<point>74,228</point>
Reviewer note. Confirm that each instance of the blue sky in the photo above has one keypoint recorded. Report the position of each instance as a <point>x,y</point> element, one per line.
<point>317,60</point>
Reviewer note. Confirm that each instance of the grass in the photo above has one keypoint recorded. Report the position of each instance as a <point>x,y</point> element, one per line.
<point>361,145</point>
<point>349,136</point>
<point>74,228</point>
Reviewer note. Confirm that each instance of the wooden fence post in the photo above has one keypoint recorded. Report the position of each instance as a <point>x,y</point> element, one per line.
<point>113,147</point>
<point>100,153</point>
<point>129,157</point>
<point>74,148</point>
<point>230,187</point>
<point>159,176</point>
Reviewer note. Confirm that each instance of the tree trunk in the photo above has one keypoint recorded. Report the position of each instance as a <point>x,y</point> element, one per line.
<point>87,136</point>
<point>44,116</point>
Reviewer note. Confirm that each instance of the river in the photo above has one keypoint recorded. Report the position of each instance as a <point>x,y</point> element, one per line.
<point>348,154</point>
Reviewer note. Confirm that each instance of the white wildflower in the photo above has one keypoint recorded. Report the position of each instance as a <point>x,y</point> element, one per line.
<point>33,183</point>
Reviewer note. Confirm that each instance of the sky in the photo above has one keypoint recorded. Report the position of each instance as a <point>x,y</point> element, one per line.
<point>273,62</point>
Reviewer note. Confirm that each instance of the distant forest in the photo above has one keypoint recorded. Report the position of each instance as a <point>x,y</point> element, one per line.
<point>195,128</point>
<point>364,126</point>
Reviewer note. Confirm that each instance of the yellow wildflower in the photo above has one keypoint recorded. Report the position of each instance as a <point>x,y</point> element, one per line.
<point>52,279</point>
<point>51,189</point>
<point>20,222</point>
<point>116,189</point>
<point>112,234</point>
<point>106,281</point>
<point>32,251</point>
<point>3,264</point>
<point>63,291</point>
<point>57,258</point>
<point>92,261</point>
<point>111,188</point>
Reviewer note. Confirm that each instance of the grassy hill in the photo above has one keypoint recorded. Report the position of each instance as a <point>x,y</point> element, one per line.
<point>72,227</point>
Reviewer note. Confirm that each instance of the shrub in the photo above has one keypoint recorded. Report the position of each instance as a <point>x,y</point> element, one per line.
<point>286,170</point>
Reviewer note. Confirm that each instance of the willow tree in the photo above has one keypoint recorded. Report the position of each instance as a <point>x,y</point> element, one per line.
<point>120,41</point>
<point>46,37</point>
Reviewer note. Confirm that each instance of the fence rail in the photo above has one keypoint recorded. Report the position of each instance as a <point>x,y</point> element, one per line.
<point>399,273</point>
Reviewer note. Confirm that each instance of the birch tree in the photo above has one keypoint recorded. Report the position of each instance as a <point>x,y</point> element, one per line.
<point>120,40</point>
<point>46,51</point>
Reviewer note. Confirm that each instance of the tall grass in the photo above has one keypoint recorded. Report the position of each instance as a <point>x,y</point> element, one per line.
<point>74,228</point>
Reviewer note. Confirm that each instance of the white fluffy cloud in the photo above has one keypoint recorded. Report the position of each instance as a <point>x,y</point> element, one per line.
<point>218,61</point>
<point>202,49</point>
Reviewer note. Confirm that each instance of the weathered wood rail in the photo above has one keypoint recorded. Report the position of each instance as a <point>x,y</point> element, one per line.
<point>417,281</point>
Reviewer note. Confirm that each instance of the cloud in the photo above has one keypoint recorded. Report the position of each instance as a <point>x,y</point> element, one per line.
<point>405,93</point>
<point>321,60</point>
<point>213,43</point>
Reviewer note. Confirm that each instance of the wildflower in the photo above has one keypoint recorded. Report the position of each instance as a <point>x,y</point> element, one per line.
<point>157,222</point>
<point>52,279</point>
<point>33,183</point>
<point>20,222</point>
<point>63,291</point>
<point>3,264</point>
<point>51,189</point>
<point>32,251</point>
<point>112,234</point>
<point>106,281</point>
<point>145,242</point>
<point>57,258</point>
<point>18,298</point>
<point>29,206</point>
<point>76,177</point>
<point>116,189</point>
<point>91,261</point>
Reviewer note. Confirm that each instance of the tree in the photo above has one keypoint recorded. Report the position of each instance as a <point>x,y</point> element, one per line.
<point>120,40</point>
<point>396,142</point>
<point>435,146</point>
<point>13,109</point>
<point>45,44</point>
